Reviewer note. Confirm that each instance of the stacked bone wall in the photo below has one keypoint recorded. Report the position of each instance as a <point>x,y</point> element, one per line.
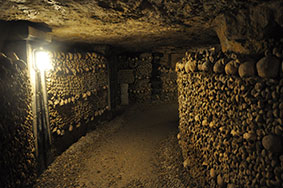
<point>140,66</point>
<point>77,90</point>
<point>169,91</point>
<point>150,77</point>
<point>17,159</point>
<point>231,118</point>
<point>164,81</point>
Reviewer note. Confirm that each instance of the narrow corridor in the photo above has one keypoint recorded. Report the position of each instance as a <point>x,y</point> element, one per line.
<point>129,151</point>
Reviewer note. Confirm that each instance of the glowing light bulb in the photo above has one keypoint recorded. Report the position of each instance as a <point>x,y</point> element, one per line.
<point>42,61</point>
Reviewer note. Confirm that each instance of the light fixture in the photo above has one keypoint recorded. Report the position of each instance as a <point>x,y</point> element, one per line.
<point>42,61</point>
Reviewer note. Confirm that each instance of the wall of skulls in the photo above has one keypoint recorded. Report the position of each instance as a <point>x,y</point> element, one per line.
<point>169,90</point>
<point>150,78</point>
<point>77,90</point>
<point>17,160</point>
<point>141,67</point>
<point>164,85</point>
<point>231,118</point>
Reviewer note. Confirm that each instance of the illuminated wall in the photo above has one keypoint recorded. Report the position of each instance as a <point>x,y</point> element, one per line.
<point>231,119</point>
<point>77,90</point>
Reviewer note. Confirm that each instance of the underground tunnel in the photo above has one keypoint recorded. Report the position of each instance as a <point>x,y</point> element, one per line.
<point>141,93</point>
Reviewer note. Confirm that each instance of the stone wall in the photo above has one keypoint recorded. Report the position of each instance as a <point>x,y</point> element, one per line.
<point>77,90</point>
<point>245,30</point>
<point>231,118</point>
<point>17,160</point>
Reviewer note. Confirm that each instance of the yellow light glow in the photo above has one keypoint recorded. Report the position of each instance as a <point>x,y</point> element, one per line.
<point>43,61</point>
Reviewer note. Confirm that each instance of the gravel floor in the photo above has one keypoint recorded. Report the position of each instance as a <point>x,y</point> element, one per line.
<point>137,149</point>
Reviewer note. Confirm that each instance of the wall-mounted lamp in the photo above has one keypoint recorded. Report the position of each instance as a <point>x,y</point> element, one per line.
<point>42,61</point>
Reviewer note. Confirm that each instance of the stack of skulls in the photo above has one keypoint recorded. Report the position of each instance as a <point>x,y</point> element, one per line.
<point>140,89</point>
<point>68,63</point>
<point>17,160</point>
<point>77,90</point>
<point>169,91</point>
<point>231,119</point>
<point>212,60</point>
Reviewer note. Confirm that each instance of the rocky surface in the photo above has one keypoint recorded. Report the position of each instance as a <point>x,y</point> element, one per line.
<point>245,30</point>
<point>143,24</point>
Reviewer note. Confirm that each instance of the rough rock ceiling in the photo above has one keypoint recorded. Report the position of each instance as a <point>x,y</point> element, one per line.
<point>130,24</point>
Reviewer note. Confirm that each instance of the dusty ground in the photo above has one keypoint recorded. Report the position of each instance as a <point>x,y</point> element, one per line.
<point>136,149</point>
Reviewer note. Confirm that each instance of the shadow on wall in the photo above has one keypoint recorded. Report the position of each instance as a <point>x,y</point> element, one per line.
<point>18,167</point>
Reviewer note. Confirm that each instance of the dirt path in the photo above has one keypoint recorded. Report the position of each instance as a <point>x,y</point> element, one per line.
<point>122,153</point>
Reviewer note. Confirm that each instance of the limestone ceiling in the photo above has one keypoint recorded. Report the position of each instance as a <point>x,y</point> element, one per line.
<point>130,24</point>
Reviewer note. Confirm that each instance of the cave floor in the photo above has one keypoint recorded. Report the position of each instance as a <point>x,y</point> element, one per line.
<point>136,149</point>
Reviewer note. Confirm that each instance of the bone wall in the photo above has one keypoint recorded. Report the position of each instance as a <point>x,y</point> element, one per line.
<point>135,70</point>
<point>166,89</point>
<point>17,159</point>
<point>150,76</point>
<point>231,118</point>
<point>77,90</point>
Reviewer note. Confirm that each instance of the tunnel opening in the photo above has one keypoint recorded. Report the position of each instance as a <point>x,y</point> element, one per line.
<point>136,98</point>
